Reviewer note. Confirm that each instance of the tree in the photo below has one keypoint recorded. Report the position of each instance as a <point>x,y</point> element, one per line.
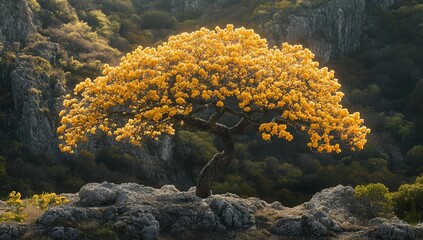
<point>220,81</point>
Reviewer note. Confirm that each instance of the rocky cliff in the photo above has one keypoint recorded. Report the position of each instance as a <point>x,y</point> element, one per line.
<point>131,211</point>
<point>37,98</point>
<point>328,29</point>
<point>16,21</point>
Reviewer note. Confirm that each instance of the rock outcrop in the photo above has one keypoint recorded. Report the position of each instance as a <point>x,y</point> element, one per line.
<point>384,4</point>
<point>328,30</point>
<point>132,211</point>
<point>37,95</point>
<point>189,5</point>
<point>16,21</point>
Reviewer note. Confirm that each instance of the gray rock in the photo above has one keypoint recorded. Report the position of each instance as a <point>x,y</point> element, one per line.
<point>189,5</point>
<point>36,94</point>
<point>384,4</point>
<point>11,231</point>
<point>134,211</point>
<point>288,227</point>
<point>328,30</point>
<point>312,227</point>
<point>95,194</point>
<point>68,214</point>
<point>137,223</point>
<point>16,21</point>
<point>47,50</point>
<point>396,230</point>
<point>338,202</point>
<point>377,221</point>
<point>232,214</point>
<point>64,233</point>
<point>305,226</point>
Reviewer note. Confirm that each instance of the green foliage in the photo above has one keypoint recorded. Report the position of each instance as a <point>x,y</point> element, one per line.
<point>120,6</point>
<point>408,201</point>
<point>398,126</point>
<point>2,168</point>
<point>197,145</point>
<point>370,94</point>
<point>415,99</point>
<point>374,200</point>
<point>56,12</point>
<point>157,19</point>
<point>34,5</point>
<point>83,44</point>
<point>415,158</point>
<point>372,164</point>
<point>99,22</point>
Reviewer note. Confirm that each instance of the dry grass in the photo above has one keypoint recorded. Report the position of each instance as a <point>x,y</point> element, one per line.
<point>32,213</point>
<point>269,216</point>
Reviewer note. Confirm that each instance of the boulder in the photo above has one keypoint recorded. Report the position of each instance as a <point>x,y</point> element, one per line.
<point>133,211</point>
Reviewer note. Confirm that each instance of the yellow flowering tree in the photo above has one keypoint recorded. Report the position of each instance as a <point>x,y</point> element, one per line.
<point>195,80</point>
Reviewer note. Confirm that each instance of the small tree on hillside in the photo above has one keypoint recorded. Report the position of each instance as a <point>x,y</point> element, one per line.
<point>196,79</point>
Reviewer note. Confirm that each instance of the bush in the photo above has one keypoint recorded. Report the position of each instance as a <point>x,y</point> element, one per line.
<point>374,200</point>
<point>415,158</point>
<point>157,19</point>
<point>408,201</point>
<point>17,209</point>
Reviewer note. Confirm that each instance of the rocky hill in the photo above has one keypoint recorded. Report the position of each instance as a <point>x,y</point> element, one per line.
<point>132,211</point>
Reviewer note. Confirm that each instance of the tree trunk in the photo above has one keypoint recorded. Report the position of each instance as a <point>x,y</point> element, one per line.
<point>216,164</point>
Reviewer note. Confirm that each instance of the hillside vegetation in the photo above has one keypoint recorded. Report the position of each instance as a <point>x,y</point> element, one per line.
<point>383,79</point>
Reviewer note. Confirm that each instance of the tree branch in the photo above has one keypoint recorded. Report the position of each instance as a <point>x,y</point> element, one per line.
<point>196,122</point>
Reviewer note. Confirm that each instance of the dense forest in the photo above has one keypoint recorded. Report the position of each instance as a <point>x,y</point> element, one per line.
<point>382,79</point>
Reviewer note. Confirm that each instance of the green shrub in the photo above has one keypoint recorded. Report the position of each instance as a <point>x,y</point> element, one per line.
<point>415,158</point>
<point>157,19</point>
<point>408,201</point>
<point>374,200</point>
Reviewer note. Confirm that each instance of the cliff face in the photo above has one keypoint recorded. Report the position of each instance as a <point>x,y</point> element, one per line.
<point>37,100</point>
<point>328,30</point>
<point>16,21</point>
<point>189,5</point>
<point>36,91</point>
<point>384,4</point>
